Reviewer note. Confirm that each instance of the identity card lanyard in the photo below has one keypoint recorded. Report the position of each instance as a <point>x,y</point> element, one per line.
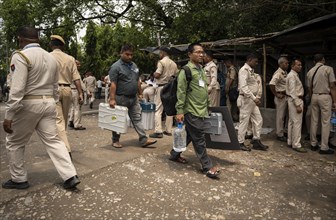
<point>201,82</point>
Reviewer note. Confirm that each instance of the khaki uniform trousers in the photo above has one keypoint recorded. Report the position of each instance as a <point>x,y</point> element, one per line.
<point>75,110</point>
<point>320,103</point>
<point>149,93</point>
<point>233,109</point>
<point>107,94</point>
<point>85,97</point>
<point>91,94</point>
<point>281,110</point>
<point>214,97</point>
<point>308,121</point>
<point>38,115</point>
<point>294,124</point>
<point>158,114</point>
<point>248,111</point>
<point>62,109</point>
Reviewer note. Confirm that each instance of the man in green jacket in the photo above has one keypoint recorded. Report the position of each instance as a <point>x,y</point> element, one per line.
<point>192,109</point>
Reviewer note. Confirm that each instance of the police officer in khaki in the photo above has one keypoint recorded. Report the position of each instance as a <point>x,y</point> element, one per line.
<point>68,73</point>
<point>31,106</point>
<point>211,70</point>
<point>250,90</point>
<point>278,88</point>
<point>231,82</point>
<point>294,92</point>
<point>90,84</point>
<point>322,88</point>
<point>75,115</point>
<point>166,68</point>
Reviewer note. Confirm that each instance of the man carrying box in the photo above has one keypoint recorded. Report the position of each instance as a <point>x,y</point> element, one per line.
<point>125,84</point>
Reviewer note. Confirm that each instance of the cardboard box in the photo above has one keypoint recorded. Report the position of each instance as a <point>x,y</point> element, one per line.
<point>113,119</point>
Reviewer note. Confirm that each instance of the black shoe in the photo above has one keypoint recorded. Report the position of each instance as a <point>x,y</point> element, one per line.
<point>71,183</point>
<point>167,133</point>
<point>156,135</point>
<point>285,135</point>
<point>91,105</point>
<point>289,146</point>
<point>244,148</point>
<point>314,148</point>
<point>249,136</point>
<point>71,124</point>
<point>258,145</point>
<point>14,185</point>
<point>282,139</point>
<point>307,138</point>
<point>329,151</point>
<point>80,128</point>
<point>300,150</point>
<point>332,146</point>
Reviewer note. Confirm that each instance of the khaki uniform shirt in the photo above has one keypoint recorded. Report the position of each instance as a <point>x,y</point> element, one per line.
<point>249,82</point>
<point>38,78</point>
<point>279,80</point>
<point>90,83</point>
<point>231,74</point>
<point>211,74</point>
<point>73,86</point>
<point>323,78</point>
<point>294,87</point>
<point>166,68</point>
<point>67,67</point>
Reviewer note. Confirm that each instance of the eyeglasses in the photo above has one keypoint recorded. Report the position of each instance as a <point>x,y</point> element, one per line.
<point>199,52</point>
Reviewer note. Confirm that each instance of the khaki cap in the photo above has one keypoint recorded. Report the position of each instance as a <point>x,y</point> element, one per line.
<point>57,37</point>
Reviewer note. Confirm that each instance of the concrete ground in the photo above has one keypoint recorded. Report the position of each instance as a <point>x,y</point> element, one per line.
<point>141,183</point>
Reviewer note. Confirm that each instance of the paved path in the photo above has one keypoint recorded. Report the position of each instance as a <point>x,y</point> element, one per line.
<point>141,183</point>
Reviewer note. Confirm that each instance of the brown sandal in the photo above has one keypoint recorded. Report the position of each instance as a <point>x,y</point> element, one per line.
<point>179,160</point>
<point>117,145</point>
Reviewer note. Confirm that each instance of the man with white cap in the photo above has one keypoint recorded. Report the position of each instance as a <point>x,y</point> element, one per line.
<point>68,73</point>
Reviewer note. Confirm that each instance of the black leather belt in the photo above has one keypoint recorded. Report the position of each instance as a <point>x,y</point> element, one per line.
<point>162,84</point>
<point>321,93</point>
<point>66,85</point>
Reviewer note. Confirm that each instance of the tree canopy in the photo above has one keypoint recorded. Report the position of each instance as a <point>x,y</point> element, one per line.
<point>110,23</point>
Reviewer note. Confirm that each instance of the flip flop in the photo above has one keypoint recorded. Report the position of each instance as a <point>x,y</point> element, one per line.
<point>213,174</point>
<point>179,160</point>
<point>117,145</point>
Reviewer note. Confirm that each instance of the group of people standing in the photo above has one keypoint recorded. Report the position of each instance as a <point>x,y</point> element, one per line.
<point>289,99</point>
<point>44,85</point>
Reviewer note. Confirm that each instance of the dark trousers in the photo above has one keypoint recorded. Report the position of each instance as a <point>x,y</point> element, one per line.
<point>195,133</point>
<point>134,112</point>
<point>98,93</point>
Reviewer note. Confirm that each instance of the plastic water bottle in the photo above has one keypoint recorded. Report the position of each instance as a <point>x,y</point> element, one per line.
<point>180,138</point>
<point>333,122</point>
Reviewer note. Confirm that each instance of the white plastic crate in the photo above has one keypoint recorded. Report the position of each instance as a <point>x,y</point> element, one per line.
<point>113,119</point>
<point>147,120</point>
<point>213,125</point>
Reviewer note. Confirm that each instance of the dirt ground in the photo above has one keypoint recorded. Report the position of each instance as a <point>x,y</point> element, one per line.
<point>141,183</point>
